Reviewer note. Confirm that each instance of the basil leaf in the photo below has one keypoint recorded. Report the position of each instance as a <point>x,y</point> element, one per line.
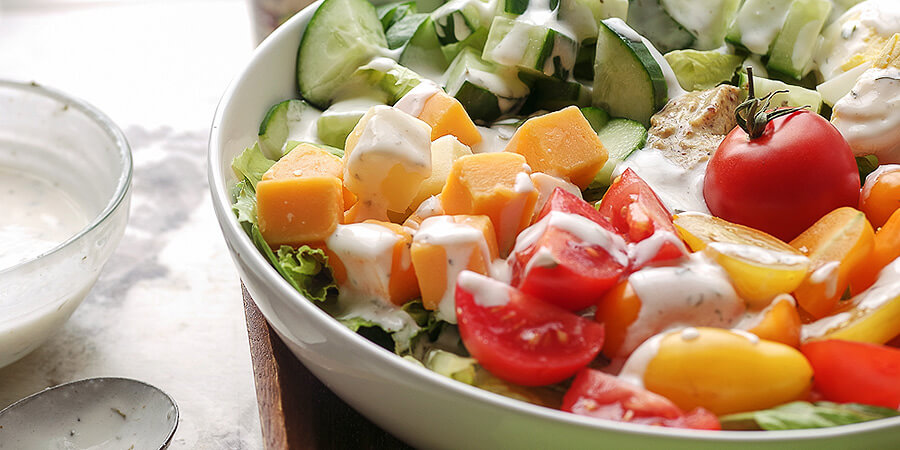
<point>803,415</point>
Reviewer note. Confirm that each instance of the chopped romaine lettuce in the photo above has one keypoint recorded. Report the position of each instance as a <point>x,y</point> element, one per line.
<point>802,415</point>
<point>250,165</point>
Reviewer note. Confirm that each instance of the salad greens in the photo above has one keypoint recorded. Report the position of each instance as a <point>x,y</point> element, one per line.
<point>803,415</point>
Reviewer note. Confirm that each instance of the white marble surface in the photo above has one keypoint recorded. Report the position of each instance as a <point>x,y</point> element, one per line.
<point>167,309</point>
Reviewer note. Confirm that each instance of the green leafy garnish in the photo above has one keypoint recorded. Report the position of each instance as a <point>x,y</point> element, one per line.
<point>305,268</point>
<point>803,415</point>
<point>251,164</point>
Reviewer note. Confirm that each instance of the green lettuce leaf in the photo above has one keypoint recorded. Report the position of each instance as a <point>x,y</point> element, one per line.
<point>250,165</point>
<point>803,415</point>
<point>305,268</point>
<point>244,205</point>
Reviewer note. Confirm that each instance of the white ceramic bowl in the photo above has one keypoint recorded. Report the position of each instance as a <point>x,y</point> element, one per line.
<point>420,407</point>
<point>68,142</point>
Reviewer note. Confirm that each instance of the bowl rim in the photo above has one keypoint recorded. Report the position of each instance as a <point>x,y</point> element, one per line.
<point>126,163</point>
<point>242,248</point>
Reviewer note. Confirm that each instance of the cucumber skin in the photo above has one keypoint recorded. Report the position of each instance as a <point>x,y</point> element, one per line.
<point>780,57</point>
<point>365,8</point>
<point>655,77</point>
<point>597,117</point>
<point>470,95</point>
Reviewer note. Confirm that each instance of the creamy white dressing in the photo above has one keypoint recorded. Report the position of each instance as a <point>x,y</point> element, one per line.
<point>414,101</point>
<point>694,293</point>
<point>636,365</point>
<point>38,217</point>
<point>869,116</point>
<point>759,254</point>
<point>827,274</point>
<point>706,20</point>
<point>486,292</point>
<point>511,49</point>
<point>752,319</point>
<point>886,289</point>
<point>804,46</point>
<point>862,29</point>
<point>642,252</point>
<point>390,138</point>
<point>759,22</point>
<point>459,241</point>
<point>493,138</point>
<point>678,188</point>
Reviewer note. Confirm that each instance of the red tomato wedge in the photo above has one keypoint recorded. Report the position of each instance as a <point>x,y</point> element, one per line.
<point>597,394</point>
<point>636,213</point>
<point>569,257</point>
<point>855,372</point>
<point>519,338</point>
<point>565,201</point>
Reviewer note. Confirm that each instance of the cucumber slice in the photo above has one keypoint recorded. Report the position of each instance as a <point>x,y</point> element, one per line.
<point>707,20</point>
<point>551,94</point>
<point>628,81</point>
<point>535,48</point>
<point>423,54</point>
<point>518,7</point>
<point>620,138</point>
<point>597,117</point>
<point>336,122</point>
<point>792,51</point>
<point>391,13</point>
<point>341,36</point>
<point>651,20</point>
<point>795,97</point>
<point>698,70</point>
<point>402,32</point>
<point>288,120</point>
<point>756,24</point>
<point>604,9</point>
<point>382,78</point>
<point>584,62</point>
<point>485,89</point>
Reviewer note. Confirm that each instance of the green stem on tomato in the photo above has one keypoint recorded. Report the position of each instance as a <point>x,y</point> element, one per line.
<point>753,115</point>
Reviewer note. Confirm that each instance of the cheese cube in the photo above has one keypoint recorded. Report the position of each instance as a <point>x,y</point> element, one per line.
<point>387,156</point>
<point>561,144</point>
<point>443,247</point>
<point>444,113</point>
<point>496,185</point>
<point>444,151</point>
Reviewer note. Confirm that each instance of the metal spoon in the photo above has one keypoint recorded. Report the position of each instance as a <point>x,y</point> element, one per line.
<point>95,414</point>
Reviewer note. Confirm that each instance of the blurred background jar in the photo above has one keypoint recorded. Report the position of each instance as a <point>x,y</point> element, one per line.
<point>268,14</point>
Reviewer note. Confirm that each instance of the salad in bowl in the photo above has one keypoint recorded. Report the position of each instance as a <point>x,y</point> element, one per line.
<point>647,213</point>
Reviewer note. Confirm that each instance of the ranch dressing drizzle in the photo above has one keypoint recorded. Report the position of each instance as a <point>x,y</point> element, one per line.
<point>636,366</point>
<point>546,184</point>
<point>885,290</point>
<point>414,101</point>
<point>458,241</point>
<point>873,177</point>
<point>366,251</point>
<point>678,188</point>
<point>487,292</point>
<point>703,296</point>
<point>38,217</point>
<point>585,230</point>
<point>869,116</point>
<point>760,25</point>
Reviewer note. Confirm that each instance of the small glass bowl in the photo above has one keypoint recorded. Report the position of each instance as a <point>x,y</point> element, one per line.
<point>72,144</point>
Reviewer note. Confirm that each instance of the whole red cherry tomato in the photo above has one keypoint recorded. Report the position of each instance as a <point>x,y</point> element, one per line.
<point>780,171</point>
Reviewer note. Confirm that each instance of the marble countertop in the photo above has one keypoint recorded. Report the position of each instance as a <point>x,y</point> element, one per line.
<point>167,309</point>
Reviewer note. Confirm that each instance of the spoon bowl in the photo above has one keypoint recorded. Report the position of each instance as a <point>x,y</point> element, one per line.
<point>97,413</point>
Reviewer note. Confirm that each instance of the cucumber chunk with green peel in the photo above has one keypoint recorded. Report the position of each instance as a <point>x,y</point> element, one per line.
<point>756,24</point>
<point>535,48</point>
<point>651,20</point>
<point>400,33</point>
<point>597,117</point>
<point>792,51</point>
<point>336,122</point>
<point>552,94</point>
<point>518,7</point>
<point>604,9</point>
<point>475,41</point>
<point>341,36</point>
<point>423,53</point>
<point>485,89</point>
<point>628,81</point>
<point>391,13</point>
<point>457,20</point>
<point>584,62</point>
<point>699,70</point>
<point>290,120</point>
<point>620,138</point>
<point>795,96</point>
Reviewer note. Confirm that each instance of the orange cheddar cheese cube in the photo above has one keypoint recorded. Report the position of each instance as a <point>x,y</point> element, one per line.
<point>300,199</point>
<point>373,259</point>
<point>496,185</point>
<point>561,144</point>
<point>443,247</point>
<point>447,116</point>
